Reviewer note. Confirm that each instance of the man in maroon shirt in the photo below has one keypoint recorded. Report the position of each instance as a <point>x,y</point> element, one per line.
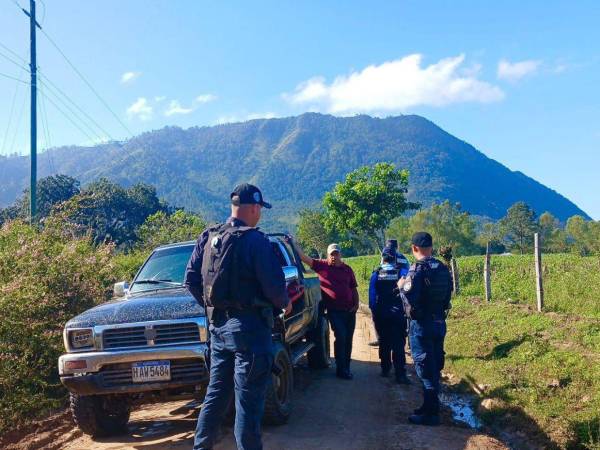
<point>340,297</point>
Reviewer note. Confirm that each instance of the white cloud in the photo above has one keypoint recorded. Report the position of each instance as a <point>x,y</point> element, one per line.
<point>159,98</point>
<point>176,108</point>
<point>515,71</point>
<point>140,109</point>
<point>128,77</point>
<point>397,85</point>
<point>205,98</point>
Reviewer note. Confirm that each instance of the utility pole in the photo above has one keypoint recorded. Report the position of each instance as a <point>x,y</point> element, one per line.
<point>33,138</point>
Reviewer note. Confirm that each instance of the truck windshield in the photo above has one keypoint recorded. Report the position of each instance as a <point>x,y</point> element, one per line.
<point>164,269</point>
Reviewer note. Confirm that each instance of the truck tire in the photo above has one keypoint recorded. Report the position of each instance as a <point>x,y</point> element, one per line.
<point>318,356</point>
<point>100,415</point>
<point>278,400</point>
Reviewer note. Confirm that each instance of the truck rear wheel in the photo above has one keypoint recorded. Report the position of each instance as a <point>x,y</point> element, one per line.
<point>100,415</point>
<point>278,401</point>
<point>318,356</point>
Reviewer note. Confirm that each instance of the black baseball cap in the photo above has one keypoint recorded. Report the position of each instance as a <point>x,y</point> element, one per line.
<point>248,194</point>
<point>391,243</point>
<point>422,239</point>
<point>388,254</point>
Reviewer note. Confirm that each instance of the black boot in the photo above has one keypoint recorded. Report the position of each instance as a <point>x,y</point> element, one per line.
<point>401,378</point>
<point>430,411</point>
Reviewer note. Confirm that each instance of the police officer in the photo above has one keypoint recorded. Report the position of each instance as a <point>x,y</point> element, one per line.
<point>425,293</point>
<point>240,334</point>
<point>388,314</point>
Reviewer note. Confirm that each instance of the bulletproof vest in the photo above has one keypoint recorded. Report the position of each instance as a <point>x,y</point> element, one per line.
<point>220,268</point>
<point>386,289</point>
<point>436,287</point>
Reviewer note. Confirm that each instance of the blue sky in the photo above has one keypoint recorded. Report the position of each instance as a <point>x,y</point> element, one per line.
<point>518,80</point>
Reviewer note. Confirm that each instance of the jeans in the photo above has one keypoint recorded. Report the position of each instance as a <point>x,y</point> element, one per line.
<point>427,348</point>
<point>342,323</point>
<point>392,338</point>
<point>241,360</point>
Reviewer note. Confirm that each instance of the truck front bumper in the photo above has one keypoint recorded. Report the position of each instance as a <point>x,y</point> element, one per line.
<point>109,372</point>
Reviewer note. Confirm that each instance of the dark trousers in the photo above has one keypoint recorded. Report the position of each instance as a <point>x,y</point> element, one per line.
<point>241,366</point>
<point>392,338</point>
<point>427,348</point>
<point>343,324</point>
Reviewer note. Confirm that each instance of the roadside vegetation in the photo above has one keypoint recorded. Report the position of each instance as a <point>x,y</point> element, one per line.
<point>86,238</point>
<point>541,372</point>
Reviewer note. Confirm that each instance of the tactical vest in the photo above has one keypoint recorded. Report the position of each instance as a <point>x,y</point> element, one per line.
<point>220,268</point>
<point>387,302</point>
<point>436,288</point>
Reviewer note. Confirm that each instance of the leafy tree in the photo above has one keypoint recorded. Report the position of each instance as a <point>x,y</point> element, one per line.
<point>519,225</point>
<point>110,212</point>
<point>449,226</point>
<point>400,229</point>
<point>368,199</point>
<point>585,235</point>
<point>553,237</point>
<point>491,233</point>
<point>312,233</point>
<point>162,228</point>
<point>51,191</point>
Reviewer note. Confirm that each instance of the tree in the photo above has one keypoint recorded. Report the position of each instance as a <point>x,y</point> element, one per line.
<point>584,234</point>
<point>51,191</point>
<point>312,233</point>
<point>519,226</point>
<point>553,237</point>
<point>110,212</point>
<point>162,228</point>
<point>366,201</point>
<point>490,233</point>
<point>449,226</point>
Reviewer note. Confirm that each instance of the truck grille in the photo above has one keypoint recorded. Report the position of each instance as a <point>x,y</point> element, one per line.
<point>141,336</point>
<point>182,371</point>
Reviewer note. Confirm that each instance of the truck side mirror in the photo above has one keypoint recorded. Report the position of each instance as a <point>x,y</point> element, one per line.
<point>120,289</point>
<point>290,273</point>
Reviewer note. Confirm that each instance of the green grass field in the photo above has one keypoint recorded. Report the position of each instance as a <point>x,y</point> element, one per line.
<point>544,369</point>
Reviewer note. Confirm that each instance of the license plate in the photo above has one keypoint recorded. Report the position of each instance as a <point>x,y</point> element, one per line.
<point>147,371</point>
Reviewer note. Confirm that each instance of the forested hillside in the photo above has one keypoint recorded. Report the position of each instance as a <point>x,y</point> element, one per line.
<point>295,160</point>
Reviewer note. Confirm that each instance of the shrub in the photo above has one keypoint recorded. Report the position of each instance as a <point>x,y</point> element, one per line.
<point>46,277</point>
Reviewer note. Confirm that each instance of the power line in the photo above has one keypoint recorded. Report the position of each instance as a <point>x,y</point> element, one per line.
<point>75,124</point>
<point>12,78</point>
<point>71,110</point>
<point>12,110</point>
<point>46,80</point>
<point>46,128</point>
<point>19,120</point>
<point>16,55</point>
<point>87,83</point>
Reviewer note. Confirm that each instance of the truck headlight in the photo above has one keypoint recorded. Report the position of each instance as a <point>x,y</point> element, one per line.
<point>82,338</point>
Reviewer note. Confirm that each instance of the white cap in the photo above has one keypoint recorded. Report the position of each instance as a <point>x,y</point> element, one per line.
<point>333,248</point>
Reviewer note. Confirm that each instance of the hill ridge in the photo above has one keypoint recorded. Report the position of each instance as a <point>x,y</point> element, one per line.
<point>295,160</point>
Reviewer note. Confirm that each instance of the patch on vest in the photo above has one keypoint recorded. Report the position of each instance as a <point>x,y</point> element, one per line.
<point>407,286</point>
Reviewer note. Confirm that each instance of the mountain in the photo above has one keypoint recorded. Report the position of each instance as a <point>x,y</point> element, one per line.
<point>294,160</point>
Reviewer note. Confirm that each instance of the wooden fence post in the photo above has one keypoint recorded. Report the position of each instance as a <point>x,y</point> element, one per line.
<point>486,274</point>
<point>455,282</point>
<point>539,285</point>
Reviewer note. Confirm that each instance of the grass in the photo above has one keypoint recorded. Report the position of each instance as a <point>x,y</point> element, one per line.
<point>543,368</point>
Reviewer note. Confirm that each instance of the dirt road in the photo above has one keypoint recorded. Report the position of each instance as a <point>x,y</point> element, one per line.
<point>367,413</point>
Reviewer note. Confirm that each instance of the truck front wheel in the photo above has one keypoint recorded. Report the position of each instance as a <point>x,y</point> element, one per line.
<point>100,415</point>
<point>278,401</point>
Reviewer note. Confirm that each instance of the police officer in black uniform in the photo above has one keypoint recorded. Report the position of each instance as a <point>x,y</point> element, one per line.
<point>240,333</point>
<point>388,314</point>
<point>426,292</point>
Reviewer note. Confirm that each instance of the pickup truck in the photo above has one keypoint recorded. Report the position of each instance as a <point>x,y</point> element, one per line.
<point>150,342</point>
